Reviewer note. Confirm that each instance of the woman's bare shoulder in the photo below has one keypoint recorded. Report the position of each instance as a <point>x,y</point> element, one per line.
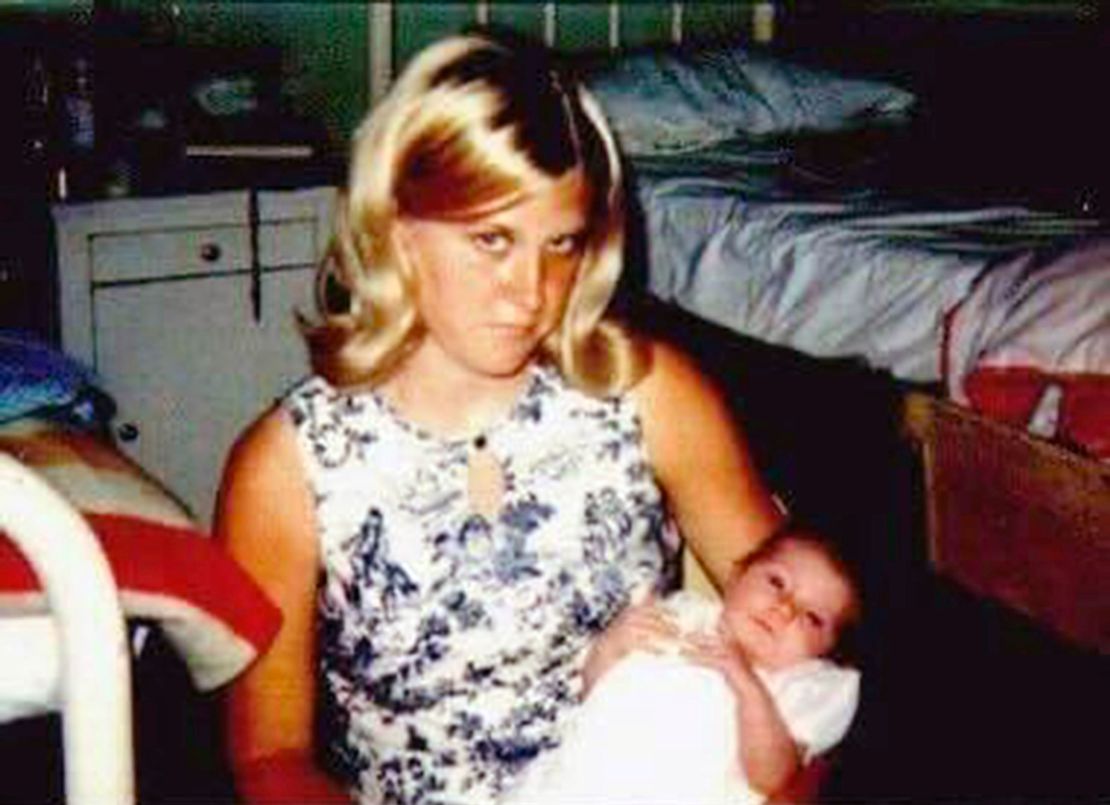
<point>264,481</point>
<point>674,384</point>
<point>268,438</point>
<point>701,457</point>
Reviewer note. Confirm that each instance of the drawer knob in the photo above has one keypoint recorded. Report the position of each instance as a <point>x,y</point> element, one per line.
<point>128,432</point>
<point>210,252</point>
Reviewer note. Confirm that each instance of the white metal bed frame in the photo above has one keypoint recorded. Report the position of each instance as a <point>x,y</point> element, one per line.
<point>380,25</point>
<point>95,666</point>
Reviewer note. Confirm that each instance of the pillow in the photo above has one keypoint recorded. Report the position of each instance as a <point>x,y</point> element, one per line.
<point>674,101</point>
<point>208,607</point>
<point>34,376</point>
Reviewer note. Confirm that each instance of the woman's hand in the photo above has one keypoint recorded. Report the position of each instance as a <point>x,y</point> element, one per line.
<point>725,656</point>
<point>640,627</point>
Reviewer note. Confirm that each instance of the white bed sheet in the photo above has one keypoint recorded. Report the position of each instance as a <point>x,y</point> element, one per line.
<point>30,684</point>
<point>838,277</point>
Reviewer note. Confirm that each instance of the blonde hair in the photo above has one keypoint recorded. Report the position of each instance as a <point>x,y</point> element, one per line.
<point>471,125</point>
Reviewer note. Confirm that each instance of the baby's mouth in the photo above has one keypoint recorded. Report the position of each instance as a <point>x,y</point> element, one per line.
<point>763,625</point>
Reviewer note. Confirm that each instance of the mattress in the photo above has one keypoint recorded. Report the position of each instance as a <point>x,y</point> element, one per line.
<point>751,240</point>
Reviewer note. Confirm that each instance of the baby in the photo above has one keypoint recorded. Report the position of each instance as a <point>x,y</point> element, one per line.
<point>721,702</point>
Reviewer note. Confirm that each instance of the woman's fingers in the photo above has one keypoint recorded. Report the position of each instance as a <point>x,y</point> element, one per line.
<point>640,627</point>
<point>647,627</point>
<point>708,651</point>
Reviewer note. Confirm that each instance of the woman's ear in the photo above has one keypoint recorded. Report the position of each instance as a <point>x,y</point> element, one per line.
<point>404,258</point>
<point>399,240</point>
<point>403,249</point>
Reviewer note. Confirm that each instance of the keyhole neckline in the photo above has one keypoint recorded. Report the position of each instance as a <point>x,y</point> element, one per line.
<point>479,441</point>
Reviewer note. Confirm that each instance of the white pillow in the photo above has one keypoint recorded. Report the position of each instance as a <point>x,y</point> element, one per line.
<point>674,101</point>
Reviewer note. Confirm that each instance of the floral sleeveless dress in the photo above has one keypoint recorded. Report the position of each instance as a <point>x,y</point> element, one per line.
<point>451,643</point>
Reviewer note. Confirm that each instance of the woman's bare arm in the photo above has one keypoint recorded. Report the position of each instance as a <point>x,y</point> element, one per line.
<point>703,462</point>
<point>265,520</point>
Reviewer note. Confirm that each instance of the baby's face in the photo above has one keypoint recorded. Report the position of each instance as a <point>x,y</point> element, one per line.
<point>788,606</point>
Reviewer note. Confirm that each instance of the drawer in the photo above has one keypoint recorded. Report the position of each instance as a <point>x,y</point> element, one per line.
<point>135,256</point>
<point>288,244</point>
<point>149,255</point>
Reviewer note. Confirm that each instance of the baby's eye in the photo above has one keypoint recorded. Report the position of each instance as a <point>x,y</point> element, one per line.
<point>492,241</point>
<point>776,581</point>
<point>814,620</point>
<point>566,245</point>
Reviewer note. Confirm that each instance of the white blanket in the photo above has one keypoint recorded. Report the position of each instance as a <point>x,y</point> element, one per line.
<point>658,729</point>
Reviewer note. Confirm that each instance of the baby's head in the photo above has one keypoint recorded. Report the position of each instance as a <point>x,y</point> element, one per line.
<point>790,599</point>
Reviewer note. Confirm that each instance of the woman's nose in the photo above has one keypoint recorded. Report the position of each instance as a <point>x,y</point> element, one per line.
<point>523,281</point>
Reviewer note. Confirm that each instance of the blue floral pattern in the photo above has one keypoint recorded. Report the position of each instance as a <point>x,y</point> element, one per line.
<point>451,643</point>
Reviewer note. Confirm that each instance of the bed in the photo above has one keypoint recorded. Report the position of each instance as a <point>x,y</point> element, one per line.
<point>830,244</point>
<point>181,596</point>
<point>795,203</point>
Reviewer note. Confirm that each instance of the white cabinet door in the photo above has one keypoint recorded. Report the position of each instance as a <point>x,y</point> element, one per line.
<point>168,351</point>
<point>190,367</point>
<point>156,295</point>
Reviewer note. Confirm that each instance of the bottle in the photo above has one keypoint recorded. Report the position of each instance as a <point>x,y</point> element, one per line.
<point>75,177</point>
<point>37,127</point>
<point>80,123</point>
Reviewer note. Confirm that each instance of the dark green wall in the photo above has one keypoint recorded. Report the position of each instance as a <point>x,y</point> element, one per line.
<point>325,44</point>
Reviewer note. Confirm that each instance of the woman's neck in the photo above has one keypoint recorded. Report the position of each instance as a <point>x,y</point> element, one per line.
<point>449,401</point>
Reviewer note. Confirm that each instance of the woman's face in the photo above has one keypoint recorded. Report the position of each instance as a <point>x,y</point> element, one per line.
<point>492,287</point>
<point>788,606</point>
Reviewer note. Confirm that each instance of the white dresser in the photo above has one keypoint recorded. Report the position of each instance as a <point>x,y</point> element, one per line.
<point>185,308</point>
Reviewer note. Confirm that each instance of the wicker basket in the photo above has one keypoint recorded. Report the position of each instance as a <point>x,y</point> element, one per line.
<point>1017,519</point>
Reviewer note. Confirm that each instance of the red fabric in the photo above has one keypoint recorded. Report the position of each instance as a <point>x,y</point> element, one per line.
<point>179,564</point>
<point>1085,414</point>
<point>1007,394</point>
<point>166,570</point>
<point>1011,394</point>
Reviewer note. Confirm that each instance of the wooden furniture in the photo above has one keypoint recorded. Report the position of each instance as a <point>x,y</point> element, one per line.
<point>185,308</point>
<point>1017,519</point>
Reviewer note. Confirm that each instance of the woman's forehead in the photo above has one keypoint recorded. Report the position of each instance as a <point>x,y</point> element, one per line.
<point>559,202</point>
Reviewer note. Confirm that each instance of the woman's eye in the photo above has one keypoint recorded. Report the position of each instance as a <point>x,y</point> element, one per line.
<point>566,245</point>
<point>814,620</point>
<point>776,581</point>
<point>495,242</point>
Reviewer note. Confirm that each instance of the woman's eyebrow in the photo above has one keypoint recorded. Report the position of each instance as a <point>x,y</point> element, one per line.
<point>570,232</point>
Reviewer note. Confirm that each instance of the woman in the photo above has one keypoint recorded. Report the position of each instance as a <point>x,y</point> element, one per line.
<point>484,471</point>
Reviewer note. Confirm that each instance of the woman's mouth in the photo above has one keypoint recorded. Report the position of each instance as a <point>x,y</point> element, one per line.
<point>511,330</point>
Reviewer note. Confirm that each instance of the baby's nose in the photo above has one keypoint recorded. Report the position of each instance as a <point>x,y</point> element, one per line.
<point>785,608</point>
